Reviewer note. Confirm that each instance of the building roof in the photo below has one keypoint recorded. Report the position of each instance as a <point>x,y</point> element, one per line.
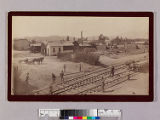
<point>140,42</point>
<point>84,44</point>
<point>35,44</point>
<point>66,43</point>
<point>20,40</point>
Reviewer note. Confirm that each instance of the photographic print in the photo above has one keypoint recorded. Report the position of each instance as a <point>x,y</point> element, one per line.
<point>80,56</point>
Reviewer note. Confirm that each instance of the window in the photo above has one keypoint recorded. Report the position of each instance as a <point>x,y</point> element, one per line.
<point>59,49</point>
<point>54,50</point>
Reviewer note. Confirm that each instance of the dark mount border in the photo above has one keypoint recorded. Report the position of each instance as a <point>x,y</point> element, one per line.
<point>86,98</point>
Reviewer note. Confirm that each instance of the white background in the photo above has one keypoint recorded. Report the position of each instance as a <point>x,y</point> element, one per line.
<point>29,110</point>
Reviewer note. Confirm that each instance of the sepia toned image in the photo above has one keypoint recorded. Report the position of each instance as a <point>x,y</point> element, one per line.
<point>79,55</point>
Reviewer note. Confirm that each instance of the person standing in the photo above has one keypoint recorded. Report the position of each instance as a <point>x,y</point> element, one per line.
<point>80,68</point>
<point>62,76</point>
<point>27,78</point>
<point>53,78</point>
<point>64,68</point>
<point>112,71</point>
<point>103,84</point>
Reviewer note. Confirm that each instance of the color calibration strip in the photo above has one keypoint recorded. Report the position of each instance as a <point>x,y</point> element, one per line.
<point>75,114</point>
<point>79,117</point>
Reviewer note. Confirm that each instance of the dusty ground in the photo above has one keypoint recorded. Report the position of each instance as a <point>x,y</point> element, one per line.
<point>40,75</point>
<point>138,85</point>
<point>122,59</point>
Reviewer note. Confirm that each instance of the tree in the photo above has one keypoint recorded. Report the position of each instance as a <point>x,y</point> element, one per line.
<point>102,38</point>
<point>33,41</point>
<point>76,45</point>
<point>93,44</point>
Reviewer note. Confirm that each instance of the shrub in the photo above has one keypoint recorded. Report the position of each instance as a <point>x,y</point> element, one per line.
<point>16,74</point>
<point>87,57</point>
<point>89,50</point>
<point>16,78</point>
<point>21,87</point>
<point>64,56</point>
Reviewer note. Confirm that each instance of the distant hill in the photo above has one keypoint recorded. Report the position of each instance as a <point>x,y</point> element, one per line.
<point>47,38</point>
<point>58,38</point>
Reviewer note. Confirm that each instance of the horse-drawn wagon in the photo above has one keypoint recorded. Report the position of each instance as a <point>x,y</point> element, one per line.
<point>32,60</point>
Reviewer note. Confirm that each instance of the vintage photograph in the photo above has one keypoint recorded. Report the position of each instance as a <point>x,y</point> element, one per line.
<point>80,55</point>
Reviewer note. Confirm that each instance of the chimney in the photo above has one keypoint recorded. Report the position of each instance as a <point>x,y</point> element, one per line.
<point>81,34</point>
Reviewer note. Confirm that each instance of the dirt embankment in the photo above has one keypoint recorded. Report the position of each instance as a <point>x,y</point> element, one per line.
<point>111,61</point>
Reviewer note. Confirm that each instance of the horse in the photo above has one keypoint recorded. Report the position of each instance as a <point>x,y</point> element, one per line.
<point>24,60</point>
<point>38,60</point>
<point>30,61</point>
<point>41,59</point>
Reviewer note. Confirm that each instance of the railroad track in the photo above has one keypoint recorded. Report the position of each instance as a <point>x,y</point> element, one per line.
<point>108,84</point>
<point>84,82</point>
<point>68,81</point>
<point>76,78</point>
<point>90,74</point>
<point>93,82</point>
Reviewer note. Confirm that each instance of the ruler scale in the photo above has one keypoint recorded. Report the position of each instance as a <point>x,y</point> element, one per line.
<point>75,114</point>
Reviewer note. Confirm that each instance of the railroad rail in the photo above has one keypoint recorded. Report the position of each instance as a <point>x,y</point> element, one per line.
<point>108,84</point>
<point>85,80</point>
<point>90,83</point>
<point>82,79</point>
<point>89,74</point>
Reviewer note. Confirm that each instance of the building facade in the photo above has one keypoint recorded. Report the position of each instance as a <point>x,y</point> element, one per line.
<point>55,48</point>
<point>35,48</point>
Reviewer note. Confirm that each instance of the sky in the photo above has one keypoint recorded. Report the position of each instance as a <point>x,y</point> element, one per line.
<point>30,26</point>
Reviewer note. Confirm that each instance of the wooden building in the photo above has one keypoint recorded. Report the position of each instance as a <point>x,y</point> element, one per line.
<point>58,47</point>
<point>35,47</point>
